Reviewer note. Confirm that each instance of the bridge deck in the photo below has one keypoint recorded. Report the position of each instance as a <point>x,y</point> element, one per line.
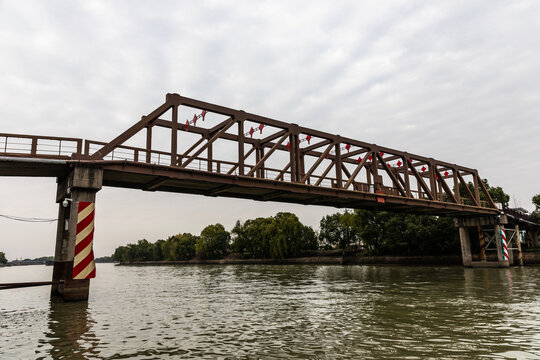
<point>151,177</point>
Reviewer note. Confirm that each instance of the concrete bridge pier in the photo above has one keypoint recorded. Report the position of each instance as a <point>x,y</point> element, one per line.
<point>478,222</point>
<point>82,184</point>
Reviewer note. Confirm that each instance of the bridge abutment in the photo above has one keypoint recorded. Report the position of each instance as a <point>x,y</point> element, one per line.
<point>494,222</point>
<point>82,184</point>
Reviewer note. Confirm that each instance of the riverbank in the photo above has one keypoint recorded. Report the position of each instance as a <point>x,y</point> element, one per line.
<point>528,259</point>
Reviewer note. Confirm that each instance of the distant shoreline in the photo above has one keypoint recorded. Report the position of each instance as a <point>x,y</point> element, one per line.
<point>528,259</point>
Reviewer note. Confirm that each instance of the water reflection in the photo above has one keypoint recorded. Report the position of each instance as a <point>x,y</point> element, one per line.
<point>251,311</point>
<point>69,334</point>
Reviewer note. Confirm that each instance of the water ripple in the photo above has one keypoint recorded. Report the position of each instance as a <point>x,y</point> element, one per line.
<point>282,312</point>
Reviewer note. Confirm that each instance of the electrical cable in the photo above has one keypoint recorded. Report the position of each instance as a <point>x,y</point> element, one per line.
<point>25,219</point>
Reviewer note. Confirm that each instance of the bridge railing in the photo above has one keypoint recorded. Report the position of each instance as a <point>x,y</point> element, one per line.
<point>53,147</point>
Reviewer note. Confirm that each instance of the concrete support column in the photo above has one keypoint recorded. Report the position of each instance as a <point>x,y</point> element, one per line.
<point>509,244</point>
<point>81,184</point>
<point>482,244</point>
<point>518,245</point>
<point>498,241</point>
<point>465,246</point>
<point>534,236</point>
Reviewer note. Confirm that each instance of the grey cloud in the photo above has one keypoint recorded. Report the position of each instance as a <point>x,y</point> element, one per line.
<point>456,80</point>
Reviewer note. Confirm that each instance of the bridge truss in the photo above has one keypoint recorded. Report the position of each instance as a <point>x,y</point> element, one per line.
<point>191,146</point>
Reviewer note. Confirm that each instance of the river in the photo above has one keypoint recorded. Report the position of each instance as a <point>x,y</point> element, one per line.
<point>277,312</point>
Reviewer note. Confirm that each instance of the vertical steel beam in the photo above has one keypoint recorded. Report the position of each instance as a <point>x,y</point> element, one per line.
<point>517,238</point>
<point>148,144</point>
<point>261,168</point>
<point>174,136</point>
<point>476,189</point>
<point>241,141</point>
<point>433,181</point>
<point>209,157</point>
<point>406,176</point>
<point>456,185</point>
<point>339,173</point>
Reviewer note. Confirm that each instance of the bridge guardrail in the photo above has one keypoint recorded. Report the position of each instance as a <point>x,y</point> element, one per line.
<point>19,145</point>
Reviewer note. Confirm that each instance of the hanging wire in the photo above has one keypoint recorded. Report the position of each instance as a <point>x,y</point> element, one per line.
<point>25,219</point>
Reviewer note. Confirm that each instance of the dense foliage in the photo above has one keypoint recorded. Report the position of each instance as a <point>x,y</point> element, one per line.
<point>384,233</point>
<point>3,259</point>
<point>276,237</point>
<point>213,242</point>
<point>536,202</point>
<point>339,230</point>
<point>496,193</point>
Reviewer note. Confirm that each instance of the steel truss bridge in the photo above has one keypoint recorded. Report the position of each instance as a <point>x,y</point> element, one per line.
<point>219,151</point>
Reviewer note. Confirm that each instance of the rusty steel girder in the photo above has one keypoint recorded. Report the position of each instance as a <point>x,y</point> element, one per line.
<point>288,163</point>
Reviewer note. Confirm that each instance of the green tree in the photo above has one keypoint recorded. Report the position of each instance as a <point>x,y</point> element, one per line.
<point>182,247</point>
<point>536,202</point>
<point>385,233</point>
<point>122,254</point>
<point>339,230</point>
<point>213,242</point>
<point>158,250</point>
<point>143,250</point>
<point>274,237</point>
<point>499,196</point>
<point>251,238</point>
<point>3,259</point>
<point>289,237</point>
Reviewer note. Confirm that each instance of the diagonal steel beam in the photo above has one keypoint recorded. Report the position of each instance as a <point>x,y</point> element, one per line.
<point>317,163</point>
<point>391,174</point>
<point>235,166</point>
<point>419,179</point>
<point>270,152</point>
<point>325,172</point>
<point>194,146</point>
<point>210,141</point>
<point>444,185</point>
<point>486,192</point>
<point>212,130</point>
<point>471,196</point>
<point>317,145</point>
<point>356,171</point>
<point>273,136</point>
<point>120,139</point>
<point>282,172</point>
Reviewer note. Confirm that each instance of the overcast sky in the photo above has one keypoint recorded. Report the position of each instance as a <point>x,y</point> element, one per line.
<point>455,80</point>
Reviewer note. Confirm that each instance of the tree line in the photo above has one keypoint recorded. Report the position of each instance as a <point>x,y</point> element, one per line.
<point>283,236</point>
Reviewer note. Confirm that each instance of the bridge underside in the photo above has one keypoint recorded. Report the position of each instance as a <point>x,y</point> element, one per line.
<point>152,177</point>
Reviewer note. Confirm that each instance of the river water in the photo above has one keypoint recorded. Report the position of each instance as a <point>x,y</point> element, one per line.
<point>277,312</point>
